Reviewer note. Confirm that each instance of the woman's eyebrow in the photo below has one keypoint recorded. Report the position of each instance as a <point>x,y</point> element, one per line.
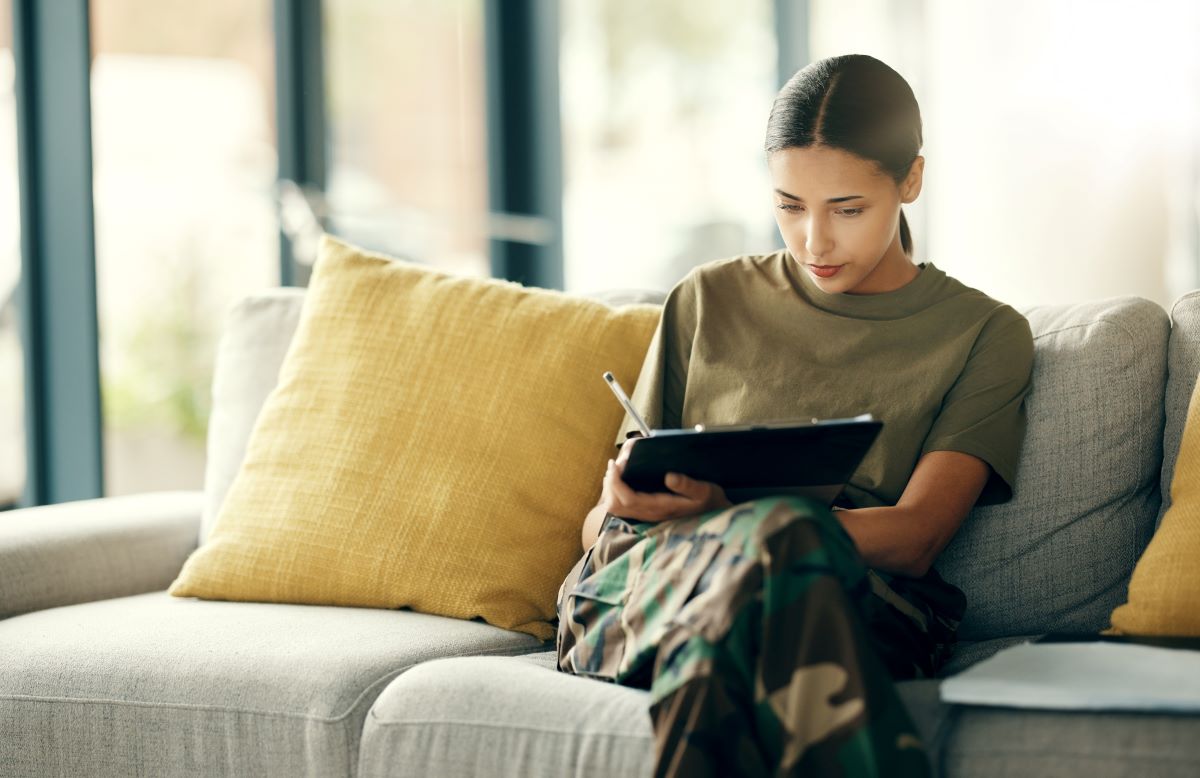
<point>830,200</point>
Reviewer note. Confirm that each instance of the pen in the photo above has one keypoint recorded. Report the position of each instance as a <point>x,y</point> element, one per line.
<point>620,393</point>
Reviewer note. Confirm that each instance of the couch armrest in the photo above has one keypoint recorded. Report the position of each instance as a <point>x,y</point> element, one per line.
<point>90,550</point>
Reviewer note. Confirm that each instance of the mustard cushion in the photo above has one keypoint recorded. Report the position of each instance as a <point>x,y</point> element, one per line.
<point>434,442</point>
<point>1164,591</point>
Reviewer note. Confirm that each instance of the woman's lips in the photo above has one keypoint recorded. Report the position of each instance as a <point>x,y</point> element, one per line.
<point>826,271</point>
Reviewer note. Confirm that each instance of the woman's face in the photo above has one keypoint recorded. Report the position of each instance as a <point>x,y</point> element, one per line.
<point>839,216</point>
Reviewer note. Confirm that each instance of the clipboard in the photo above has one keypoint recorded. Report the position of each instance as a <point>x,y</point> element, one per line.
<point>810,459</point>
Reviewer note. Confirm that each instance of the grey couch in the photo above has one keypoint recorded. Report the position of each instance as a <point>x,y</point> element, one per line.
<point>103,674</point>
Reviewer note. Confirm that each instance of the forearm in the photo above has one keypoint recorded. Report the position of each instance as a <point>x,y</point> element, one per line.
<point>889,538</point>
<point>591,527</point>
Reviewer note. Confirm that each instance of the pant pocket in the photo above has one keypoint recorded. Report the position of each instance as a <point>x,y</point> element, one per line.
<point>590,640</point>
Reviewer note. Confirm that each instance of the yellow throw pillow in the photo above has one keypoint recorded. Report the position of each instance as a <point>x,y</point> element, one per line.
<point>434,442</point>
<point>1164,591</point>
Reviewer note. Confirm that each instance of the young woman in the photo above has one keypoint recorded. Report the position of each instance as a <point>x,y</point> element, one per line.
<point>769,633</point>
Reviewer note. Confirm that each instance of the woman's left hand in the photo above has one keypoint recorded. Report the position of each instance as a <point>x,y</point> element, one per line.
<point>689,496</point>
<point>707,495</point>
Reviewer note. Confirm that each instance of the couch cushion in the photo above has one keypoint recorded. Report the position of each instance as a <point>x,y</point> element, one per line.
<point>256,334</point>
<point>157,685</point>
<point>1058,556</point>
<point>1183,364</point>
<point>987,741</point>
<point>86,550</point>
<point>434,441</point>
<point>485,716</point>
<point>255,338</point>
<point>1165,586</point>
<point>520,717</point>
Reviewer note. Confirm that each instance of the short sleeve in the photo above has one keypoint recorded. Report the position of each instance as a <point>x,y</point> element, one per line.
<point>659,393</point>
<point>983,414</point>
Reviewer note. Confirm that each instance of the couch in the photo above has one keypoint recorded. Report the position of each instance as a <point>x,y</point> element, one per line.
<point>103,674</point>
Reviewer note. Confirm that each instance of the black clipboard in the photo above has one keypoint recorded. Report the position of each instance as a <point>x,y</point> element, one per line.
<point>813,459</point>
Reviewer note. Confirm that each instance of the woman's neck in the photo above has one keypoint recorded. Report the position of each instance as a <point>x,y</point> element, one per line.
<point>893,272</point>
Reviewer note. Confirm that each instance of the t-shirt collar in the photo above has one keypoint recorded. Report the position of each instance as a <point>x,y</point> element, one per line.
<point>914,296</point>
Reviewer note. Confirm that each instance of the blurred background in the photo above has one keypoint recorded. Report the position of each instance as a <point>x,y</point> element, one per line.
<point>160,159</point>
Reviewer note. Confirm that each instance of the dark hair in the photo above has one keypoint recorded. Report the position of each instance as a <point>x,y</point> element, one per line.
<point>855,103</point>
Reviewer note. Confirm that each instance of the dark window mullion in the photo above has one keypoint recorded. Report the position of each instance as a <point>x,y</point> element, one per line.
<point>57,294</point>
<point>299,110</point>
<point>791,37</point>
<point>792,51</point>
<point>524,141</point>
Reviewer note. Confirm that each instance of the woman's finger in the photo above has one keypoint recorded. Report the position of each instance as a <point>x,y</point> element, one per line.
<point>626,450</point>
<point>688,487</point>
<point>635,504</point>
<point>620,490</point>
<point>616,503</point>
<point>648,506</point>
<point>604,490</point>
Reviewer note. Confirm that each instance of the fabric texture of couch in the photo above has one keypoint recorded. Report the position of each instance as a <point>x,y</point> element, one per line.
<point>106,675</point>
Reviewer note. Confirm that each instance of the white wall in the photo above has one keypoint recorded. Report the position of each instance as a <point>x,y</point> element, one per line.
<point>1061,139</point>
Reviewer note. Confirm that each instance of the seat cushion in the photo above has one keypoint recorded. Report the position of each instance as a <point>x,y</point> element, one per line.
<point>987,741</point>
<point>1058,556</point>
<point>158,685</point>
<point>520,717</point>
<point>488,716</point>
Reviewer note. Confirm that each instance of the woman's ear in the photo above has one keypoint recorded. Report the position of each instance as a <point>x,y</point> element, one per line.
<point>912,183</point>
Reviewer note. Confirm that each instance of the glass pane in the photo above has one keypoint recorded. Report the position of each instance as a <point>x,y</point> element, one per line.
<point>407,123</point>
<point>1054,173</point>
<point>12,365</point>
<point>664,109</point>
<point>184,149</point>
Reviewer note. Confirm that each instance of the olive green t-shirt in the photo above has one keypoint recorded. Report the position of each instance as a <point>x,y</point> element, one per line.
<point>753,338</point>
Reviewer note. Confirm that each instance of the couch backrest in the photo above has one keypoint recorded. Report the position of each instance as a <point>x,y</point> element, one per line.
<point>1058,556</point>
<point>1055,558</point>
<point>1183,364</point>
<point>254,341</point>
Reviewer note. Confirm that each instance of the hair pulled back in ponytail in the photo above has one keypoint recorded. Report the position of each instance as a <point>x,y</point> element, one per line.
<point>852,102</point>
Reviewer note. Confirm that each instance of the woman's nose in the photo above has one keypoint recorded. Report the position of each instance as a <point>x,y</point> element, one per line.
<point>819,241</point>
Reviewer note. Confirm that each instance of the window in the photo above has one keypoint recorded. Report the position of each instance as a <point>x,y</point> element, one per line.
<point>1054,172</point>
<point>407,124</point>
<point>664,110</point>
<point>184,155</point>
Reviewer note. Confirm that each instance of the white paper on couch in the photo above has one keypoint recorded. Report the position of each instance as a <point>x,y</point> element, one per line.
<point>1082,676</point>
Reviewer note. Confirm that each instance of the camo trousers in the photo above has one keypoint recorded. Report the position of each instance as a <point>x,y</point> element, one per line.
<point>768,648</point>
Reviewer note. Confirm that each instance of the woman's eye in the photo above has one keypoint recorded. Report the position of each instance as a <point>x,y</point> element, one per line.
<point>850,211</point>
<point>790,208</point>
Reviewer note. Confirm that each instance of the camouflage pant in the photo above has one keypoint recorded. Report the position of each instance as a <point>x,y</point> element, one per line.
<point>767,646</point>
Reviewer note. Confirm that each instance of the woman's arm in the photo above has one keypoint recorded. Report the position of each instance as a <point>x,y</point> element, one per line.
<point>591,526</point>
<point>906,538</point>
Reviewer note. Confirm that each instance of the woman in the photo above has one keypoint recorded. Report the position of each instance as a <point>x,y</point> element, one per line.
<point>769,633</point>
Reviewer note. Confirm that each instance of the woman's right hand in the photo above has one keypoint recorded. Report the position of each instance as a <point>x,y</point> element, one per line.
<point>688,496</point>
